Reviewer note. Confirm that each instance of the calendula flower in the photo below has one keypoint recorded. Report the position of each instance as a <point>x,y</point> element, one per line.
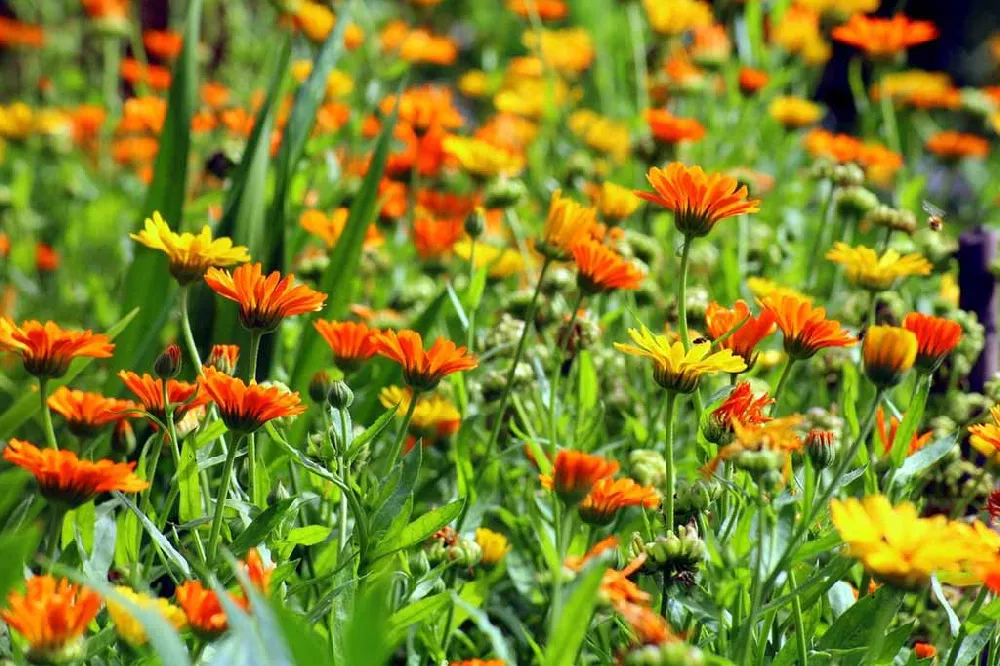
<point>609,496</point>
<point>203,609</point>
<point>751,330</point>
<point>244,409</point>
<point>433,238</point>
<point>257,571</point>
<point>47,260</point>
<point>740,406</point>
<point>482,159</point>
<point>15,33</point>
<point>985,437</point>
<point>795,111</point>
<point>953,146</point>
<point>887,434</point>
<point>670,129</point>
<point>52,615</point>
<point>501,262</point>
<point>895,545</point>
<point>182,396</point>
<point>567,225</point>
<point>677,16</point>
<point>423,108</point>
<point>128,627</point>
<point>434,416</point>
<point>936,338</point>
<point>888,352</point>
<point>698,200</point>
<point>352,343</point>
<point>601,269</point>
<point>602,135</point>
<point>87,413</point>
<point>264,301</point>
<point>478,662</point>
<point>614,202</point>
<point>752,80</point>
<point>65,479</point>
<point>676,369</point>
<point>805,328</point>
<point>918,89</point>
<point>329,228</point>
<point>545,10</point>
<point>884,37</point>
<point>574,474</point>
<point>423,370</point>
<point>46,350</point>
<point>189,256</point>
<point>569,51</point>
<point>924,650</point>
<point>866,269</point>
<point>493,544</point>
<point>650,628</point>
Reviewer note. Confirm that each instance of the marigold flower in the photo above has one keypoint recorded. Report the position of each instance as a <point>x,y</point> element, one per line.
<point>15,33</point>
<point>608,496</point>
<point>795,111</point>
<point>135,72</point>
<point>763,446</point>
<point>574,474</point>
<point>424,107</point>
<point>567,225</point>
<point>601,269</point>
<point>569,51</point>
<point>752,80</point>
<point>317,21</point>
<point>888,352</point>
<point>985,437</point>
<point>182,396</point>
<point>866,269</point>
<point>52,615</point>
<point>668,128</point>
<point>546,10</point>
<point>434,417</point>
<point>678,16</point>
<point>614,202</point>
<point>162,44</point>
<point>805,328</point>
<point>434,238</point>
<point>478,662</point>
<point>257,571</point>
<point>697,199</point>
<point>953,146</point>
<point>493,544</point>
<point>351,342</point>
<point>676,369</point>
<point>47,350</point>
<point>744,340</point>
<point>884,37</point>
<point>203,609</point>
<point>264,301</point>
<point>423,370</point>
<point>918,89</point>
<point>740,406</point>
<point>649,627</point>
<point>86,413</point>
<point>483,159</point>
<point>244,409</point>
<point>887,435</point>
<point>329,228</point>
<point>936,338</point>
<point>65,479</point>
<point>502,262</point>
<point>47,260</point>
<point>924,651</point>
<point>189,256</point>
<point>128,627</point>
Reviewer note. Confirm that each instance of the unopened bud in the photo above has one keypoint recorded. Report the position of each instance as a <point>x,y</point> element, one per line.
<point>856,200</point>
<point>475,223</point>
<point>340,396</point>
<point>821,445</point>
<point>168,363</point>
<point>319,386</point>
<point>224,358</point>
<point>503,193</point>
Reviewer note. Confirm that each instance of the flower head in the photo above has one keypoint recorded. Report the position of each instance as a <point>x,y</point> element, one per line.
<point>46,350</point>
<point>751,330</point>
<point>670,129</point>
<point>264,301</point>
<point>953,146</point>
<point>189,255</point>
<point>181,396</point>
<point>329,228</point>
<point>884,37</point>
<point>86,413</point>
<point>740,406</point>
<point>795,111</point>
<point>566,226</point>
<point>66,479</point>
<point>678,16</point>
<point>434,416</point>
<point>244,409</point>
<point>128,627</point>
<point>752,80</point>
<point>608,496</point>
<point>676,369</point>
<point>868,270</point>
<point>614,202</point>
<point>483,159</point>
<point>806,328</point>
<point>203,609</point>
<point>574,474</point>
<point>351,342</point>
<point>52,615</point>
<point>601,269</point>
<point>887,434</point>
<point>257,571</point>
<point>423,370</point>
<point>493,544</point>
<point>697,199</point>
<point>985,437</point>
<point>936,338</point>
<point>889,353</point>
<point>501,262</point>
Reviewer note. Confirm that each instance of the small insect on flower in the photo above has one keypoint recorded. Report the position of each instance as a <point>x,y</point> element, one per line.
<point>935,216</point>
<point>574,474</point>
<point>264,300</point>
<point>52,615</point>
<point>676,369</point>
<point>189,256</point>
<point>423,370</point>
<point>244,409</point>
<point>47,350</point>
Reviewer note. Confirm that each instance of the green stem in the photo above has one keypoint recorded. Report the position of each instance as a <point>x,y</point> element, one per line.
<point>786,373</point>
<point>255,490</point>
<point>818,239</point>
<point>255,337</point>
<point>668,483</point>
<point>186,329</point>
<point>344,477</point>
<point>112,58</point>
<point>220,500</point>
<point>963,631</point>
<point>156,452</point>
<point>54,535</point>
<point>43,393</point>
<point>397,446</point>
<point>635,25</point>
<point>800,630</point>
<point>561,347</point>
<point>682,309</point>
<point>470,337</point>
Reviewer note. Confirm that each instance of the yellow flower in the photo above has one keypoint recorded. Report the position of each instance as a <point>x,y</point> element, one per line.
<point>985,437</point>
<point>948,291</point>
<point>16,121</point>
<point>189,256</point>
<point>677,16</point>
<point>338,84</point>
<point>615,202</point>
<point>866,269</point>
<point>474,83</point>
<point>128,627</point>
<point>795,111</point>
<point>889,353</point>
<point>569,51</point>
<point>483,159</point>
<point>841,7</point>
<point>434,415</point>
<point>675,369</point>
<point>603,135</point>
<point>895,545</point>
<point>762,288</point>
<point>502,262</point>
<point>493,544</point>
<point>567,224</point>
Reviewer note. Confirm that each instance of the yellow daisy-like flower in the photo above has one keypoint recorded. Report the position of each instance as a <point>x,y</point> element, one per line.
<point>603,135</point>
<point>795,111</point>
<point>763,287</point>
<point>677,16</point>
<point>493,544</point>
<point>985,437</point>
<point>615,202</point>
<point>889,353</point>
<point>895,544</point>
<point>676,369</point>
<point>434,414</point>
<point>502,262</point>
<point>190,256</point>
<point>483,159</point>
<point>128,627</point>
<point>866,269</point>
<point>566,226</point>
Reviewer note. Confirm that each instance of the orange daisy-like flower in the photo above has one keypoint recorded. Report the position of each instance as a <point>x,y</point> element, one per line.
<point>183,397</point>
<point>47,260</point>
<point>244,409</point>
<point>806,328</point>
<point>423,108</point>
<point>203,609</point>
<point>698,200</point>
<point>163,44</point>
<point>720,321</point>
<point>752,80</point>
<point>423,370</point>
<point>601,269</point>
<point>329,228</point>
<point>264,301</point>
<point>608,496</point>
<point>547,10</point>
<point>351,342</point>
<point>884,37</point>
<point>953,146</point>
<point>15,33</point>
<point>574,474</point>
<point>887,435</point>
<point>257,571</point>
<point>936,338</point>
<point>47,350</point>
<point>741,406</point>
<point>985,437</point>
<point>668,128</point>
<point>65,479</point>
<point>86,413</point>
<point>435,238</point>
<point>52,614</point>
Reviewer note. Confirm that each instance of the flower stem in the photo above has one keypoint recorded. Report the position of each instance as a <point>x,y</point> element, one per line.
<point>561,346</point>
<point>397,446</point>
<point>786,373</point>
<point>43,393</point>
<point>54,535</point>
<point>963,631</point>
<point>682,308</point>
<point>471,333</point>
<point>255,337</point>
<point>638,55</point>
<point>344,477</point>
<point>818,239</point>
<point>668,482</point>
<point>186,329</point>
<point>152,461</point>
<point>800,630</point>
<point>220,500</point>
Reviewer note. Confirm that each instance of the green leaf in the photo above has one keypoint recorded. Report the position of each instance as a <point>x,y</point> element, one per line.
<point>366,639</point>
<point>911,420</point>
<point>972,647</point>
<point>373,431</point>
<point>409,470</point>
<point>954,624</point>
<point>923,459</point>
<point>854,627</point>
<point>571,627</point>
<point>420,529</point>
<point>15,549</point>
<point>310,535</point>
<point>190,484</point>
<point>849,398</point>
<point>304,642</point>
<point>157,536</point>
<point>416,612</point>
<point>482,622</point>
<point>588,381</point>
<point>262,526</point>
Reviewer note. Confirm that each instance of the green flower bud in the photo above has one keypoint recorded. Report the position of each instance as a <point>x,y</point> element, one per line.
<point>504,193</point>
<point>822,445</point>
<point>855,201</point>
<point>647,467</point>
<point>319,385</point>
<point>168,364</point>
<point>340,396</point>
<point>696,496</point>
<point>475,223</point>
<point>847,175</point>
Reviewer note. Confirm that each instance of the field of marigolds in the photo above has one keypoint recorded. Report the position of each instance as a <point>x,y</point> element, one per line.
<point>499,332</point>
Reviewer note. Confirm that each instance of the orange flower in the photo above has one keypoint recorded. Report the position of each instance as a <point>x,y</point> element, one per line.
<point>697,199</point>
<point>183,397</point>
<point>423,108</point>
<point>574,474</point>
<point>546,10</point>
<point>668,128</point>
<point>203,609</point>
<point>162,44</point>
<point>52,615</point>
<point>936,338</point>
<point>608,496</point>
<point>65,479</point>
<point>258,572</point>
<point>351,342</point>
<point>434,238</point>
<point>478,662</point>
<point>953,146</point>
<point>244,409</point>
<point>264,301</point>
<point>4,245</point>
<point>601,269</point>
<point>135,72</point>
<point>106,9</point>
<point>752,80</point>
<point>87,122</point>
<point>15,33</point>
<point>47,259</point>
<point>840,148</point>
<point>423,370</point>
<point>739,407</point>
<point>650,627</point>
<point>224,358</point>
<point>884,37</point>
<point>888,435</point>
<point>86,413</point>
<point>46,349</point>
<point>329,228</point>
<point>806,328</point>
<point>924,651</point>
<point>214,95</point>
<point>743,342</point>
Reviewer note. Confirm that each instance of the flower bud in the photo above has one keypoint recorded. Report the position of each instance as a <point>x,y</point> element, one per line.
<point>503,193</point>
<point>821,445</point>
<point>759,462</point>
<point>674,653</point>
<point>475,223</point>
<point>340,395</point>
<point>168,363</point>
<point>677,552</point>
<point>647,467</point>
<point>855,201</point>
<point>847,175</point>
<point>696,496</point>
<point>319,386</point>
